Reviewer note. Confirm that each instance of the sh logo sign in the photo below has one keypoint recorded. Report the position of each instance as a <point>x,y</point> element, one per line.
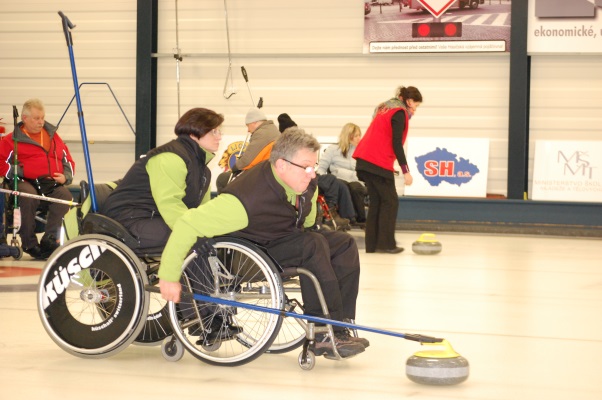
<point>566,8</point>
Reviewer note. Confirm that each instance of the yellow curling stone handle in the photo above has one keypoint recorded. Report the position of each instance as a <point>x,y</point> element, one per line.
<point>446,352</point>
<point>427,237</point>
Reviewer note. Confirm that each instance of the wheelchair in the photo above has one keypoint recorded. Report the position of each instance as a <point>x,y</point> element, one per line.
<point>95,298</point>
<point>8,218</point>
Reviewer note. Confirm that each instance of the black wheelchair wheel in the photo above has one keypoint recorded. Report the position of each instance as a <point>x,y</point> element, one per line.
<point>91,297</point>
<point>228,335</point>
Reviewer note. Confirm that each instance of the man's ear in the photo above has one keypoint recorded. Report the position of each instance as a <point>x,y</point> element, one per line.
<point>280,164</point>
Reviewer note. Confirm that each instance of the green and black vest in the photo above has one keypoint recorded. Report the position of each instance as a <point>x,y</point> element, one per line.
<point>271,215</point>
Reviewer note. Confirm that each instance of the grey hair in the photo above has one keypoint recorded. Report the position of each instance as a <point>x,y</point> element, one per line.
<point>30,104</point>
<point>290,142</point>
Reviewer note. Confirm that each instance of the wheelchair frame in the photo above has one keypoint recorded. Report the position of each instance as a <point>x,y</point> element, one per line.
<point>94,294</point>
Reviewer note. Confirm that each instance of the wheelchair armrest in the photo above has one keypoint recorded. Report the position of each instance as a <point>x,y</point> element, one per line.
<point>98,223</point>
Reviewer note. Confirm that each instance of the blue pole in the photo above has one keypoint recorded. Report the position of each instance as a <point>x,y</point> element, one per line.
<point>326,321</point>
<point>67,25</point>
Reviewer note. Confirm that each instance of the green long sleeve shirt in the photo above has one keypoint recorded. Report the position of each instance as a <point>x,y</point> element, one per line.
<point>167,175</point>
<point>220,216</point>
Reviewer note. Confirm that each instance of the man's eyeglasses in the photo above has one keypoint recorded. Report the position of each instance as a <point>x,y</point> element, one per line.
<point>307,170</point>
<point>216,132</point>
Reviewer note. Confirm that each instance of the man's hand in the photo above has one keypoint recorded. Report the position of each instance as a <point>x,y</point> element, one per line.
<point>60,178</point>
<point>170,291</point>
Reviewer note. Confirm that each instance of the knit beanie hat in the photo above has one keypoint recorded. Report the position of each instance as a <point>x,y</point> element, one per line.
<point>284,121</point>
<point>254,115</point>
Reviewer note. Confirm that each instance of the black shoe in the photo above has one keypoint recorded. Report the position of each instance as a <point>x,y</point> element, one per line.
<point>346,336</point>
<point>395,250</point>
<point>219,331</point>
<point>48,245</point>
<point>35,252</point>
<point>322,346</point>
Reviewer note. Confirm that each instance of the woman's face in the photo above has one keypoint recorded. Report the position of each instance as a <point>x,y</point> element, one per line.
<point>210,141</point>
<point>412,106</point>
<point>355,138</point>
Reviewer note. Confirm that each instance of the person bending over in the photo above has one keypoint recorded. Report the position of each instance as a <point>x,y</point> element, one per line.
<point>272,205</point>
<point>169,180</point>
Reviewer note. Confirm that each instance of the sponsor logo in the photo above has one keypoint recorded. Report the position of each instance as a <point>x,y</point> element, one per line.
<point>64,273</point>
<point>440,165</point>
<point>576,164</point>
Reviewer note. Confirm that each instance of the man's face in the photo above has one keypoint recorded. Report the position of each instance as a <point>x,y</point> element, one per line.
<point>252,127</point>
<point>35,121</point>
<point>295,176</point>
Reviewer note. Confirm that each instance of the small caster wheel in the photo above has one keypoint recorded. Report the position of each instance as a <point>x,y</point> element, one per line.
<point>309,362</point>
<point>172,349</point>
<point>19,254</point>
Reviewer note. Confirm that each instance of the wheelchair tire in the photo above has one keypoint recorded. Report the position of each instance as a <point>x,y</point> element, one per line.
<point>156,327</point>
<point>91,296</point>
<point>292,332</point>
<point>228,335</point>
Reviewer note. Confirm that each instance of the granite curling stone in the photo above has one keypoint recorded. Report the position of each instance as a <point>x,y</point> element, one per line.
<point>441,367</point>
<point>426,245</point>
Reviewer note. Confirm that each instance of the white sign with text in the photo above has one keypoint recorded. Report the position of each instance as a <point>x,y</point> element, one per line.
<point>567,171</point>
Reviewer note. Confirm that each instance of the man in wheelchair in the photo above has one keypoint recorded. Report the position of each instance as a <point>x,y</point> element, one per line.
<point>272,205</point>
<point>44,167</point>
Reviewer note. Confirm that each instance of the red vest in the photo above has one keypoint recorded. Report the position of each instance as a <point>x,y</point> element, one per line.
<point>376,146</point>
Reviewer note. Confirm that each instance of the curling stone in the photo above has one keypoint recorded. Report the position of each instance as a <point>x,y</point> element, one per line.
<point>426,244</point>
<point>437,367</point>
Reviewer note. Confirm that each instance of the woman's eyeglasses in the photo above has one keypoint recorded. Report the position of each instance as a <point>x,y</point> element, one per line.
<point>216,132</point>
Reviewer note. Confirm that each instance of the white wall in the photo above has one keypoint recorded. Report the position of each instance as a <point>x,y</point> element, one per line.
<point>304,58</point>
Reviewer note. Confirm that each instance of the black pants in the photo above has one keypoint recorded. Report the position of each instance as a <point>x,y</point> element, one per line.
<point>382,212</point>
<point>358,196</point>
<point>151,231</point>
<point>333,257</point>
<point>337,194</point>
<point>29,206</point>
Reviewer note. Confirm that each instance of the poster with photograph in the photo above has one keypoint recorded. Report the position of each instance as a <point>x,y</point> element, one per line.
<point>437,26</point>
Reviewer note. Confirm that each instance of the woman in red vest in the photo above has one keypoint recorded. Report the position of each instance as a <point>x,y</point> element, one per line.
<point>376,153</point>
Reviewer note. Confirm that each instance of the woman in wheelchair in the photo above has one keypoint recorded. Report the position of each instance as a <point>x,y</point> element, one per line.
<point>271,205</point>
<point>169,180</point>
<point>44,168</point>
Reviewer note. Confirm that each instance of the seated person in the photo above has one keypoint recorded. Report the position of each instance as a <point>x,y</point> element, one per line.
<point>169,180</point>
<point>44,168</point>
<point>338,160</point>
<point>335,192</point>
<point>273,204</point>
<point>263,134</point>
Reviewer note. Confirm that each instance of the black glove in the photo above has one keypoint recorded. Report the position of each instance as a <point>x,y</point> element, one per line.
<point>205,246</point>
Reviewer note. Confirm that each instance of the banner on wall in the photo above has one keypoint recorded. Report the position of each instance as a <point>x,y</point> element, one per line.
<point>448,167</point>
<point>567,171</point>
<point>437,26</point>
<point>560,26</point>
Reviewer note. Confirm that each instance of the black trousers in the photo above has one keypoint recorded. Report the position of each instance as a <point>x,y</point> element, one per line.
<point>358,196</point>
<point>333,257</point>
<point>29,206</point>
<point>337,194</point>
<point>382,212</point>
<point>151,231</point>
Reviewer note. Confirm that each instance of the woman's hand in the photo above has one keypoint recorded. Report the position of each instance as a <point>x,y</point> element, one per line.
<point>407,179</point>
<point>170,291</point>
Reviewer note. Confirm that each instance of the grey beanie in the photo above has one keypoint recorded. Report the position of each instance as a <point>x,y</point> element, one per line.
<point>254,115</point>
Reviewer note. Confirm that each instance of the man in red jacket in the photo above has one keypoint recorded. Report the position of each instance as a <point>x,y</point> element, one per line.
<point>44,168</point>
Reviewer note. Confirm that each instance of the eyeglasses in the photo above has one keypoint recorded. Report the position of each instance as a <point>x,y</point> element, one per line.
<point>216,132</point>
<point>308,170</point>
